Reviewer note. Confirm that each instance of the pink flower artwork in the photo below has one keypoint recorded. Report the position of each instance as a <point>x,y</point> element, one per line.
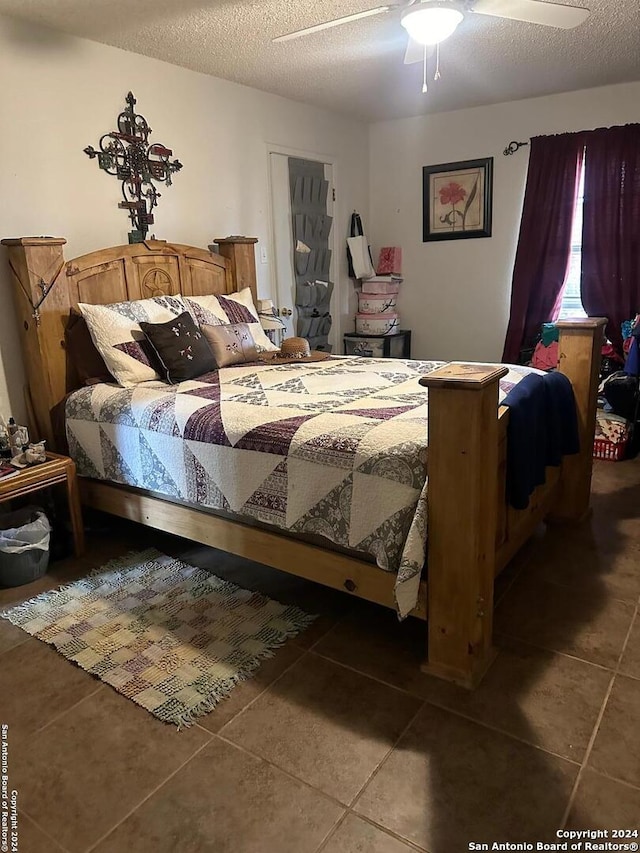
<point>452,194</point>
<point>457,200</point>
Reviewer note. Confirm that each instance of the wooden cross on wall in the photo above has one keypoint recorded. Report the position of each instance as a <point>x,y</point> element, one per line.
<point>126,154</point>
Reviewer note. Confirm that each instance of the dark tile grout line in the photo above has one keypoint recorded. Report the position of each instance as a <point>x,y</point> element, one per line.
<point>59,847</point>
<point>614,778</point>
<point>261,693</point>
<point>454,711</point>
<point>336,826</point>
<point>587,754</point>
<point>352,805</point>
<point>382,761</point>
<point>305,652</point>
<point>339,621</point>
<point>596,727</point>
<point>148,796</point>
<point>72,707</point>
<point>411,844</point>
<point>287,773</point>
<point>385,830</point>
<point>329,630</point>
<point>367,675</point>
<point>557,652</point>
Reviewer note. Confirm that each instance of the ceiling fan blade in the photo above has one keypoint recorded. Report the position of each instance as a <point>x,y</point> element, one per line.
<point>379,10</point>
<point>415,52</point>
<point>534,12</point>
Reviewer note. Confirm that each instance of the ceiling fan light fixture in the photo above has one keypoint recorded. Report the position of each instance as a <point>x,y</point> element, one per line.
<point>431,22</point>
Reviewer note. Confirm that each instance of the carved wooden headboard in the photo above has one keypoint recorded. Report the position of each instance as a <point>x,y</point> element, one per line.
<point>47,287</point>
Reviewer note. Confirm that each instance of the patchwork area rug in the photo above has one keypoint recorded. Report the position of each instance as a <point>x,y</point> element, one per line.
<point>173,638</point>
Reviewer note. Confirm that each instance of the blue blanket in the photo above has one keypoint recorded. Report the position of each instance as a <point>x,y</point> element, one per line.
<point>632,364</point>
<point>543,427</point>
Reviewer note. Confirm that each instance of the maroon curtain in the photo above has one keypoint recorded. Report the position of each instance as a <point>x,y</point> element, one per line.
<point>544,245</point>
<point>611,230</point>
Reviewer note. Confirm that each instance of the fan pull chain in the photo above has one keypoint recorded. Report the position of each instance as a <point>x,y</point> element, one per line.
<point>425,88</point>
<point>437,75</point>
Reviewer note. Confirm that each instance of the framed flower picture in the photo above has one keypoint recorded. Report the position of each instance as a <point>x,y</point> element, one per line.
<point>457,200</point>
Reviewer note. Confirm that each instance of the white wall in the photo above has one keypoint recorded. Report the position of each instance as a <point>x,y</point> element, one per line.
<point>456,294</point>
<point>59,94</point>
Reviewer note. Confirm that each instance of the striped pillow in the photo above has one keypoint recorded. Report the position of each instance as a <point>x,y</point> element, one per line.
<point>115,330</point>
<point>232,309</point>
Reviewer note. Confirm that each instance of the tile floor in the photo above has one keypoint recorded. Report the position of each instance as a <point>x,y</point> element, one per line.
<point>340,744</point>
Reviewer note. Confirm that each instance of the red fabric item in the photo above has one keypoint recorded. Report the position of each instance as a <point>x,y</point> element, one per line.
<point>544,245</point>
<point>611,230</point>
<point>545,358</point>
<point>609,351</point>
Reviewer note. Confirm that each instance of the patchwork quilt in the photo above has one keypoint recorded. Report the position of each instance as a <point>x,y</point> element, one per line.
<point>336,448</point>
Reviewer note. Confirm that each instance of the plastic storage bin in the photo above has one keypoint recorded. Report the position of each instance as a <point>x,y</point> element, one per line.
<point>369,347</point>
<point>611,437</point>
<point>24,546</point>
<point>396,345</point>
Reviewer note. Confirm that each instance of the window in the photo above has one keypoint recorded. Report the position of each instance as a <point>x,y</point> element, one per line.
<point>571,300</point>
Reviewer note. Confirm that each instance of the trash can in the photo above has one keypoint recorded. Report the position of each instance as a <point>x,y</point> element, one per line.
<point>24,546</point>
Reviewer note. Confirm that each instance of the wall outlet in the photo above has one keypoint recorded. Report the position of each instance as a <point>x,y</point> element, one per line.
<point>264,258</point>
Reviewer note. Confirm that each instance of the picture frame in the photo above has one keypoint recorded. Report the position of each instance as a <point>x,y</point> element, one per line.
<point>457,200</point>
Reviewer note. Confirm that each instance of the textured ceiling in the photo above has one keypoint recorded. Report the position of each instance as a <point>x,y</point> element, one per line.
<point>357,68</point>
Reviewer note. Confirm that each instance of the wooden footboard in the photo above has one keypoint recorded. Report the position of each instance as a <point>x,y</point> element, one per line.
<point>473,533</point>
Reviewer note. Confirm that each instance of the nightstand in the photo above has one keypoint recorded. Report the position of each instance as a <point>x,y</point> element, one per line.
<point>57,470</point>
<point>397,345</point>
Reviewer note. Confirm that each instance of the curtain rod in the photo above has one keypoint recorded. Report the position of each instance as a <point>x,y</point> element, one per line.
<point>513,147</point>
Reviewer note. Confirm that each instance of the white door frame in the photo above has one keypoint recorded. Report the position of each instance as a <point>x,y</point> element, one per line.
<point>335,335</point>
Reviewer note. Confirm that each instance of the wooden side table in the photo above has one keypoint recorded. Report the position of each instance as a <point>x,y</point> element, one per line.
<point>56,470</point>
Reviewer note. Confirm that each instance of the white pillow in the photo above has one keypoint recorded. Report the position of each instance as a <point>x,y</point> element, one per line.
<point>230,309</point>
<point>115,330</point>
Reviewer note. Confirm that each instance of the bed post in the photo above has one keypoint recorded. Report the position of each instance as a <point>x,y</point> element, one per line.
<point>579,357</point>
<point>462,517</point>
<point>241,255</point>
<point>36,264</point>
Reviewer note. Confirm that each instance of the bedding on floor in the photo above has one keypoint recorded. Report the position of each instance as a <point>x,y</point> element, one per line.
<point>335,448</point>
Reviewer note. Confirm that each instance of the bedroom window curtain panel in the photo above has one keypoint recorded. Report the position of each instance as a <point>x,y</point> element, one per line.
<point>611,229</point>
<point>544,244</point>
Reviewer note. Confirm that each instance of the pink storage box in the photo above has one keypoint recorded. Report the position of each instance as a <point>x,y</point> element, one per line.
<point>377,324</point>
<point>390,260</point>
<point>380,286</point>
<point>376,303</point>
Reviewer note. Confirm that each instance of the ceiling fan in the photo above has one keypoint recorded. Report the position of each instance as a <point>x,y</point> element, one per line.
<point>430,22</point>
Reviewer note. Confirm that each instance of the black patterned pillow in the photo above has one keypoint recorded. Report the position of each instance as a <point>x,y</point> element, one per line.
<point>180,347</point>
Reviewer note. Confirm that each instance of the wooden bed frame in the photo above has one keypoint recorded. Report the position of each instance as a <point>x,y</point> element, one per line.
<point>472,532</point>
